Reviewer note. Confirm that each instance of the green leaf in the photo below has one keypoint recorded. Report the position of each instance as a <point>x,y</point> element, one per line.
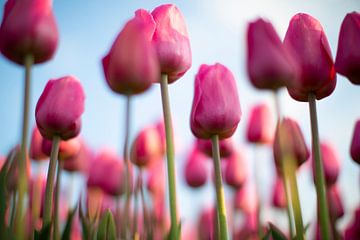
<point>276,233</point>
<point>44,233</point>
<point>84,223</point>
<point>67,231</point>
<point>106,230</point>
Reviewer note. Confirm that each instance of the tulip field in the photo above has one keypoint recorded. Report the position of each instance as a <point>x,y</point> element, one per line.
<point>184,120</point>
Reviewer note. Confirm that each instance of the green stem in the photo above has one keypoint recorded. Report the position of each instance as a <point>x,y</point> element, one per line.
<point>170,156</point>
<point>56,204</point>
<point>22,184</point>
<point>147,223</point>
<point>258,192</point>
<point>220,197</point>
<point>13,208</point>
<point>135,232</point>
<point>50,181</point>
<point>319,171</point>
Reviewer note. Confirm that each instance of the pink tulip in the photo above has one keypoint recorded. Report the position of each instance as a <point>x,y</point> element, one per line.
<point>347,61</point>
<point>216,106</point>
<point>355,143</point>
<point>60,107</point>
<point>196,172</point>
<point>278,193</point>
<point>131,66</point>
<point>35,150</point>
<point>236,170</point>
<point>80,161</point>
<point>37,194</point>
<point>67,149</point>
<point>259,127</point>
<point>206,224</point>
<point>226,147</point>
<point>246,199</point>
<point>352,231</point>
<point>146,147</point>
<point>28,28</point>
<point>171,41</point>
<point>295,143</point>
<point>249,229</point>
<point>160,127</point>
<point>269,64</point>
<point>336,206</point>
<point>156,178</point>
<point>307,40</point>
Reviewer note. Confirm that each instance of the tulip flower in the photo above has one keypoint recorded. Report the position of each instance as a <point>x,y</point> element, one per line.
<point>352,231</point>
<point>206,224</point>
<point>355,143</point>
<point>67,149</point>
<point>259,127</point>
<point>236,170</point>
<point>156,178</point>
<point>246,198</point>
<point>269,64</point>
<point>196,169</point>
<point>226,147</point>
<point>80,161</point>
<point>347,61</point>
<point>171,41</point>
<point>28,28</point>
<point>278,193</point>
<point>35,151</point>
<point>160,127</point>
<point>336,205</point>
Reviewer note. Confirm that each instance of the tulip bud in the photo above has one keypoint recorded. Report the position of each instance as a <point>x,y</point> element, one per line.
<point>131,66</point>
<point>331,163</point>
<point>352,231</point>
<point>226,147</point>
<point>216,106</point>
<point>146,147</point>
<point>35,151</point>
<point>196,169</point>
<point>355,143</point>
<point>60,107</point>
<point>246,199</point>
<point>171,41</point>
<point>206,224</point>
<point>259,128</point>
<point>67,149</point>
<point>160,127</point>
<point>336,206</point>
<point>278,193</point>
<point>347,61</point>
<point>80,161</point>
<point>306,38</point>
<point>295,143</point>
<point>28,28</point>
<point>269,64</point>
<point>156,178</point>
<point>236,170</point>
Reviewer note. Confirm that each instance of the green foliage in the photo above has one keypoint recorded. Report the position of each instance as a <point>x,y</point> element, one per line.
<point>106,229</point>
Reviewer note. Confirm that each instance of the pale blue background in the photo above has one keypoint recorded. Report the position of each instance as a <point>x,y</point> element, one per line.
<point>217,34</point>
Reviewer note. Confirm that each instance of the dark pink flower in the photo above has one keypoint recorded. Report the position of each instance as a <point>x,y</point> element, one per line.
<point>355,143</point>
<point>236,170</point>
<point>35,151</point>
<point>206,224</point>
<point>226,147</point>
<point>260,128</point>
<point>278,193</point>
<point>196,172</point>
<point>335,202</point>
<point>79,162</point>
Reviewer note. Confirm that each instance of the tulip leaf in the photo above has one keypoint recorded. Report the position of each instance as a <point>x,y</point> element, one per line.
<point>67,231</point>
<point>84,224</point>
<point>106,230</point>
<point>276,233</point>
<point>44,233</point>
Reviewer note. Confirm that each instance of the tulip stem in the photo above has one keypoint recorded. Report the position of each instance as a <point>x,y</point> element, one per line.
<point>147,223</point>
<point>135,231</point>
<point>170,156</point>
<point>256,167</point>
<point>22,183</point>
<point>56,204</point>
<point>219,188</point>
<point>50,181</point>
<point>319,171</point>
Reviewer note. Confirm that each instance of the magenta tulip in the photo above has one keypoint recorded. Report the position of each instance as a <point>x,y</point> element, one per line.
<point>269,64</point>
<point>347,61</point>
<point>216,106</point>
<point>259,127</point>
<point>336,206</point>
<point>196,172</point>
<point>156,178</point>
<point>236,170</point>
<point>352,231</point>
<point>79,162</point>
<point>171,41</point>
<point>206,224</point>
<point>28,28</point>
<point>278,193</point>
<point>226,147</point>
<point>246,199</point>
<point>355,143</point>
<point>35,152</point>
<point>60,107</point>
<point>307,40</point>
<point>131,66</point>
<point>67,149</point>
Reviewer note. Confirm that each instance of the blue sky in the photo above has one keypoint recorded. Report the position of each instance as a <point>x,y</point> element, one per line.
<point>217,33</point>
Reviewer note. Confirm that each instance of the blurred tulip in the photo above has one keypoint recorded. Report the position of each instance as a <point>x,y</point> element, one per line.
<point>37,196</point>
<point>146,147</point>
<point>259,127</point>
<point>249,229</point>
<point>278,194</point>
<point>226,147</point>
<point>28,28</point>
<point>352,231</point>
<point>35,151</point>
<point>131,66</point>
<point>13,168</point>
<point>355,143</point>
<point>347,61</point>
<point>269,64</point>
<point>80,161</point>
<point>156,178</point>
<point>60,107</point>
<point>216,107</point>
<point>195,169</point>
<point>171,41</point>
<point>236,170</point>
<point>160,127</point>
<point>67,149</point>
<point>306,38</point>
<point>206,224</point>
<point>295,143</point>
<point>336,206</point>
<point>246,199</point>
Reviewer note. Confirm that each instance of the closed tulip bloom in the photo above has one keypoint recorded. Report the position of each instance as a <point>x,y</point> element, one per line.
<point>196,172</point>
<point>295,143</point>
<point>307,40</point>
<point>79,162</point>
<point>28,28</point>
<point>216,106</point>
<point>355,143</point>
<point>352,231</point>
<point>236,170</point>
<point>59,108</point>
<point>226,147</point>
<point>347,60</point>
<point>246,199</point>
<point>156,178</point>
<point>171,41</point>
<point>131,66</point>
<point>146,147</point>
<point>67,149</point>
<point>259,128</point>
<point>206,224</point>
<point>269,64</point>
<point>278,193</point>
<point>35,151</point>
<point>336,206</point>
